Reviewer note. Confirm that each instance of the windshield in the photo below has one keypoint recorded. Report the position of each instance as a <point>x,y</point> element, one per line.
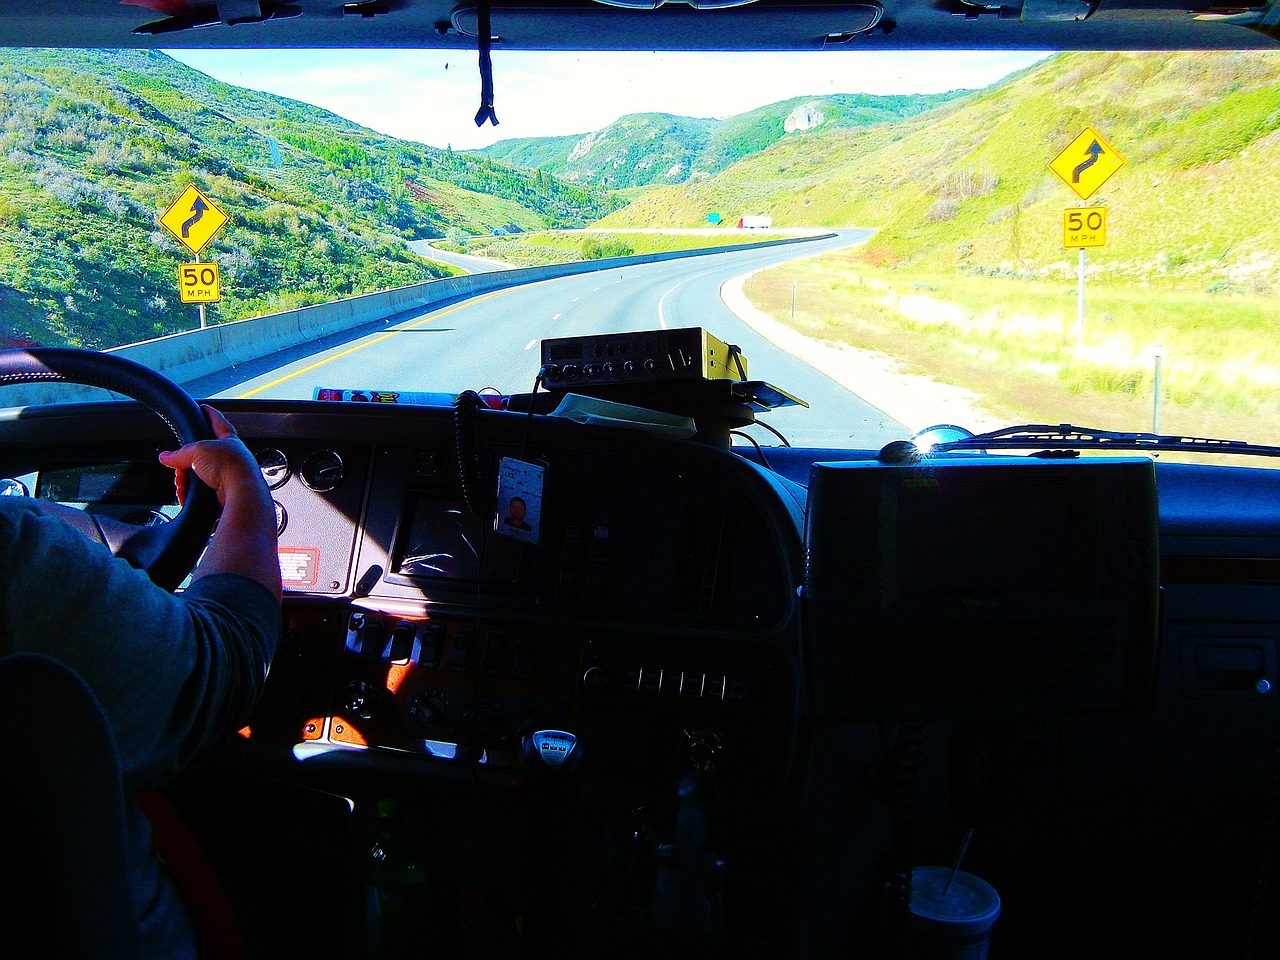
<point>902,239</point>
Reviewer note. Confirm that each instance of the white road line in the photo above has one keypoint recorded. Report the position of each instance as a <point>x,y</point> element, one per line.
<point>529,345</point>
<point>662,316</point>
<point>557,316</point>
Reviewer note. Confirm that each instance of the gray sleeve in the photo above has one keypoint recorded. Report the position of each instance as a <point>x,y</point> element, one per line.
<point>177,674</point>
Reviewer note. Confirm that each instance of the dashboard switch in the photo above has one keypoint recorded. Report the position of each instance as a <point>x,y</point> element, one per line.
<point>432,646</point>
<point>651,679</point>
<point>460,655</point>
<point>401,641</point>
<point>495,650</point>
<point>374,638</point>
<point>691,684</point>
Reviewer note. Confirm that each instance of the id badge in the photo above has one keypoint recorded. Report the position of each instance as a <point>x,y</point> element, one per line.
<point>519,513</point>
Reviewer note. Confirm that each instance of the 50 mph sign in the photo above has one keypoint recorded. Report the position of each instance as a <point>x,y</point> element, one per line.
<point>199,283</point>
<point>1084,227</point>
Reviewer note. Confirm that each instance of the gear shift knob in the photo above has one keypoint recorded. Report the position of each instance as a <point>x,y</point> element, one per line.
<point>555,750</point>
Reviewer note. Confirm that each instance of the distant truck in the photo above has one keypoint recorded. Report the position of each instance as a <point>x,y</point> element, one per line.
<point>755,223</point>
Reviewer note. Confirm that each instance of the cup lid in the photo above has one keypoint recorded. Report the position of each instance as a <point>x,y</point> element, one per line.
<point>969,901</point>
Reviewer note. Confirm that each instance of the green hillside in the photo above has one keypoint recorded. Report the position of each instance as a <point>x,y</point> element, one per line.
<point>643,149</point>
<point>97,145</point>
<point>967,184</point>
<point>967,281</point>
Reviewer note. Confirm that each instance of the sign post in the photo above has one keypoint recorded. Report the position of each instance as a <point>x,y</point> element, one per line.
<point>1085,165</point>
<point>193,219</point>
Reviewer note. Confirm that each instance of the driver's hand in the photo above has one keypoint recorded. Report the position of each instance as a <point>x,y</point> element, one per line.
<point>225,463</point>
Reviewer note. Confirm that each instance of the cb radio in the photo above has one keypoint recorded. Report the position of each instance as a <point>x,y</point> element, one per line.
<point>685,353</point>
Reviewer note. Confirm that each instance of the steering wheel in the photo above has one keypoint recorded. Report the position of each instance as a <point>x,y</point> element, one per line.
<point>169,551</point>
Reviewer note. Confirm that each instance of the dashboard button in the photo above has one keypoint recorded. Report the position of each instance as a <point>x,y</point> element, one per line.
<point>595,679</point>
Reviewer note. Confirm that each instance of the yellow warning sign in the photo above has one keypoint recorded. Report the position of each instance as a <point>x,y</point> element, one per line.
<point>193,219</point>
<point>199,283</point>
<point>1084,227</point>
<point>1087,163</point>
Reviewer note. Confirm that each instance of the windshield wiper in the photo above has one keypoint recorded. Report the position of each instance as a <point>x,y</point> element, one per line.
<point>1065,436</point>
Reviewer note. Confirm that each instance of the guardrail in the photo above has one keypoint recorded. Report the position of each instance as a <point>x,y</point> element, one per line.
<point>189,356</point>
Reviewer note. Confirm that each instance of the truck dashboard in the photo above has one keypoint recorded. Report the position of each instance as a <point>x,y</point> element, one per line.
<point>660,686</point>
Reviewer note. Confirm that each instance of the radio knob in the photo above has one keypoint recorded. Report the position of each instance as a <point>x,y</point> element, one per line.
<point>571,372</point>
<point>595,679</point>
<point>426,715</point>
<point>628,366</point>
<point>359,699</point>
<point>649,365</point>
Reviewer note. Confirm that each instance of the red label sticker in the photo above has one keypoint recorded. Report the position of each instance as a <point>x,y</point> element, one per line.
<point>299,566</point>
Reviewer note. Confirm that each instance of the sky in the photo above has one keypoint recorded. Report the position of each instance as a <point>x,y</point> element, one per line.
<point>432,96</point>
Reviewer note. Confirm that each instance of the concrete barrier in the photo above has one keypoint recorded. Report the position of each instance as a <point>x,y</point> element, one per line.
<point>188,356</point>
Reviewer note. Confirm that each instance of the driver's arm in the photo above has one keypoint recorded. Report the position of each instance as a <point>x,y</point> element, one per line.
<point>175,673</point>
<point>244,541</point>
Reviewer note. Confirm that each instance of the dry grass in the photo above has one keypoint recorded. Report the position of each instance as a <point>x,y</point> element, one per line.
<point>1014,344</point>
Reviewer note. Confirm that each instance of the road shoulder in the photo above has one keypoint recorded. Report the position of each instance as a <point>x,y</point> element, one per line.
<point>913,400</point>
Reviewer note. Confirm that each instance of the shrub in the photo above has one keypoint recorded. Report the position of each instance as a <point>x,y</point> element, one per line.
<point>1001,214</point>
<point>593,248</point>
<point>942,210</point>
<point>968,183</point>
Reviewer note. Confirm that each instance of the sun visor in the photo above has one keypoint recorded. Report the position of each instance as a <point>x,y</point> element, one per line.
<point>671,26</point>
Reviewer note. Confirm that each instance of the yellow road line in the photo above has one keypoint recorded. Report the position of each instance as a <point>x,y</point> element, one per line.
<point>368,343</point>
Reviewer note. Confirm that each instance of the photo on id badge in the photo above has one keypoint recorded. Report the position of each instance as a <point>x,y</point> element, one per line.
<point>519,500</point>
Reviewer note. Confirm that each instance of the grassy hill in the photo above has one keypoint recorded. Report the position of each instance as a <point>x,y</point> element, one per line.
<point>643,149</point>
<point>967,280</point>
<point>96,145</point>
<point>967,184</point>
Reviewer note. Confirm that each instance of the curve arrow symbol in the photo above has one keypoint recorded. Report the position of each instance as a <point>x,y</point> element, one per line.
<point>1095,150</point>
<point>198,208</point>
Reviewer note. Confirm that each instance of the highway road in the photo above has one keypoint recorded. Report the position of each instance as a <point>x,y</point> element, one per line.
<point>493,341</point>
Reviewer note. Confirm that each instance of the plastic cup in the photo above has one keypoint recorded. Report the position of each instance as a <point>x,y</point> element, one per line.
<point>955,925</point>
